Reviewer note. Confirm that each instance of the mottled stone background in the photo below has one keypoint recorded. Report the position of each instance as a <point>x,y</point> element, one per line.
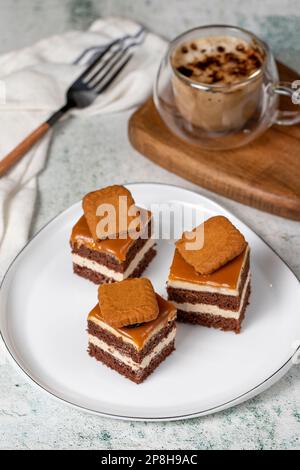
<point>95,152</point>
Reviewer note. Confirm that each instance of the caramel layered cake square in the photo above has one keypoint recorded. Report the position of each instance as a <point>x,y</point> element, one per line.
<point>210,286</point>
<point>132,329</point>
<point>117,253</point>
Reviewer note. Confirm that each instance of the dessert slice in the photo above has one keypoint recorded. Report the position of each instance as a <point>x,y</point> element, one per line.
<point>132,329</point>
<point>111,259</point>
<point>219,297</point>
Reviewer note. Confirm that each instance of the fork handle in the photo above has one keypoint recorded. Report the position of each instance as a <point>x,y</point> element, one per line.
<point>17,153</point>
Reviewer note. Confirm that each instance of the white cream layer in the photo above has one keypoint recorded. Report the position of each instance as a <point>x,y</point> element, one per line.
<point>110,329</point>
<point>116,276</point>
<point>214,309</point>
<point>209,287</point>
<point>126,359</point>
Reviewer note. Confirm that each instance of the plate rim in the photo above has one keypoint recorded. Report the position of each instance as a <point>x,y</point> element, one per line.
<point>257,389</point>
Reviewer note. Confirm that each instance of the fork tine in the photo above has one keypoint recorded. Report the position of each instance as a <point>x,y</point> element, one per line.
<point>107,66</point>
<point>98,59</point>
<point>110,79</point>
<point>86,72</point>
<point>95,48</point>
<point>106,79</point>
<point>100,67</point>
<point>112,60</point>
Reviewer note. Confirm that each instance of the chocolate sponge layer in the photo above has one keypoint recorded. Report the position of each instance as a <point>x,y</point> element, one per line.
<point>227,302</point>
<point>98,278</point>
<point>215,321</point>
<point>109,260</point>
<point>125,370</point>
<point>128,349</point>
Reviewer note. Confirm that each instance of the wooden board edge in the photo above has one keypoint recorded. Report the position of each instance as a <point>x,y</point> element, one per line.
<point>136,135</point>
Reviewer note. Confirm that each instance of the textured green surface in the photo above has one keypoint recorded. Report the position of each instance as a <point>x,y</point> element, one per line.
<point>32,420</point>
<point>95,152</point>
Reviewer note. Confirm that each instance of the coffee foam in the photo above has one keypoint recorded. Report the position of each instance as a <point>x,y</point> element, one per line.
<point>217,60</point>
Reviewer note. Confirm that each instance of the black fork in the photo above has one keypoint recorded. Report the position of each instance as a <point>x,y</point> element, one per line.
<point>95,79</point>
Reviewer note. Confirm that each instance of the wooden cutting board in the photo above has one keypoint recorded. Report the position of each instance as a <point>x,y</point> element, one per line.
<point>264,174</point>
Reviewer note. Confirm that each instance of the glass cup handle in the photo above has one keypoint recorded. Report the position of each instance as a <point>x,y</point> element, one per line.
<point>292,90</point>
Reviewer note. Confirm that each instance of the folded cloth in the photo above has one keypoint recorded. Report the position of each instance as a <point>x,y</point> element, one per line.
<point>35,81</point>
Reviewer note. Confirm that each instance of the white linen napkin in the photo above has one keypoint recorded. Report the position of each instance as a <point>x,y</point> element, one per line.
<point>35,80</point>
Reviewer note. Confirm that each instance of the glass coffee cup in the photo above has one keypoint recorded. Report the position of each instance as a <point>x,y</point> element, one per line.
<point>218,87</point>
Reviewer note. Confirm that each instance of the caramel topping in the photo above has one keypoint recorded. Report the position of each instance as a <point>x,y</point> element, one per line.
<point>118,247</point>
<point>140,334</point>
<point>226,276</point>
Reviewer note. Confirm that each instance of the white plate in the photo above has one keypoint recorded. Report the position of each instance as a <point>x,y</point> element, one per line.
<point>43,309</point>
